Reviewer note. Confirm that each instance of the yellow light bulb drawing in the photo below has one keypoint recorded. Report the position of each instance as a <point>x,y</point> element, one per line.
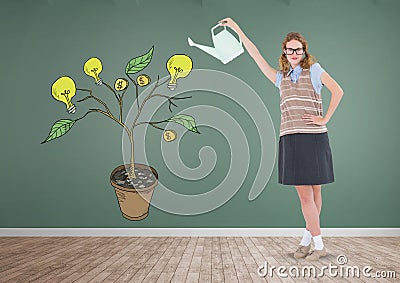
<point>93,68</point>
<point>63,89</point>
<point>179,66</point>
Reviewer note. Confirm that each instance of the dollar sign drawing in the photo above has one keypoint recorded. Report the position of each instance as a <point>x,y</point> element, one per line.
<point>169,135</point>
<point>141,81</point>
<point>119,86</point>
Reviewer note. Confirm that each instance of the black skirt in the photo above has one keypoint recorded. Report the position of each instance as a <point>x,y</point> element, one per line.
<point>305,159</point>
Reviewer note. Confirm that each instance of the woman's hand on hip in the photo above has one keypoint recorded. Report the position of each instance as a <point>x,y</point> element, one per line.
<point>317,120</point>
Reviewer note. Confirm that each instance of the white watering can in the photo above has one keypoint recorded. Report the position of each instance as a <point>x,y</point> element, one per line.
<point>226,46</point>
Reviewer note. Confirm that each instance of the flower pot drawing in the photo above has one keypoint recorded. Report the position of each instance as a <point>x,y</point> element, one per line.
<point>134,196</point>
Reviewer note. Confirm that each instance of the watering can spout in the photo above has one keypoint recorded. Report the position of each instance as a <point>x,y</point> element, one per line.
<point>210,50</point>
<point>226,46</point>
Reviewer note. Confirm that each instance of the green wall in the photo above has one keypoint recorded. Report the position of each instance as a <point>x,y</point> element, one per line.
<point>65,183</point>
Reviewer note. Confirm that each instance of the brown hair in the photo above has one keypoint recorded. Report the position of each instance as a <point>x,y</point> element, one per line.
<point>305,63</point>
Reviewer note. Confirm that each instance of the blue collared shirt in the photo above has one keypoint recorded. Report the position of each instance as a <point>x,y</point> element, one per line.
<point>315,73</point>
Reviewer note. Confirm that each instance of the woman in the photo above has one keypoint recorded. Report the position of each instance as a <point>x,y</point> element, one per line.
<point>305,158</point>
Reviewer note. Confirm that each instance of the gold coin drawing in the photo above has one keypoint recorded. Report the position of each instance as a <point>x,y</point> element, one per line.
<point>169,135</point>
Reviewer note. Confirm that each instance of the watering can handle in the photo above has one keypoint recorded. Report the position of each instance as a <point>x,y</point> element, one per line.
<point>214,27</point>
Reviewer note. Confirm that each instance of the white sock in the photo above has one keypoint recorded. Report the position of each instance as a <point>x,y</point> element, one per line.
<point>306,238</point>
<point>318,244</point>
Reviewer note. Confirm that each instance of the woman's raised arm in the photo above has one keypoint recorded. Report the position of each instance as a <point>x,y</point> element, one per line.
<point>268,71</point>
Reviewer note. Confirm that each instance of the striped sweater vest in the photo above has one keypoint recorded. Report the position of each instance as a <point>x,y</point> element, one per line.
<point>297,99</point>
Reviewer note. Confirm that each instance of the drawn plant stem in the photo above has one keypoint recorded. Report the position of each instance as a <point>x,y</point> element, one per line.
<point>129,131</point>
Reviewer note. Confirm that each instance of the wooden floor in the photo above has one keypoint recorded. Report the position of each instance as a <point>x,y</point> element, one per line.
<point>186,259</point>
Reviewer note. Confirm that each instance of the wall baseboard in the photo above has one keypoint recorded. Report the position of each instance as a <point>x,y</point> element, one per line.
<point>194,232</point>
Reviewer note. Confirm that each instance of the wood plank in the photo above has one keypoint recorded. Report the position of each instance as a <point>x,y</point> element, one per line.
<point>251,264</point>
<point>65,260</point>
<point>125,245</point>
<point>120,266</point>
<point>97,258</point>
<point>82,258</point>
<point>268,250</point>
<point>243,274</point>
<point>206,265</point>
<point>153,274</point>
<point>150,250</point>
<point>194,267</point>
<point>181,272</point>
<point>169,270</point>
<point>227,262</point>
<point>37,262</point>
<point>185,259</point>
<point>255,248</point>
<point>359,255</point>
<point>14,243</point>
<point>30,251</point>
<point>217,273</point>
<point>152,260</point>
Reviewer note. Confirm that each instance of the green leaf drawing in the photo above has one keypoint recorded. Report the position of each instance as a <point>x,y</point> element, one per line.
<point>186,121</point>
<point>139,63</point>
<point>61,127</point>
